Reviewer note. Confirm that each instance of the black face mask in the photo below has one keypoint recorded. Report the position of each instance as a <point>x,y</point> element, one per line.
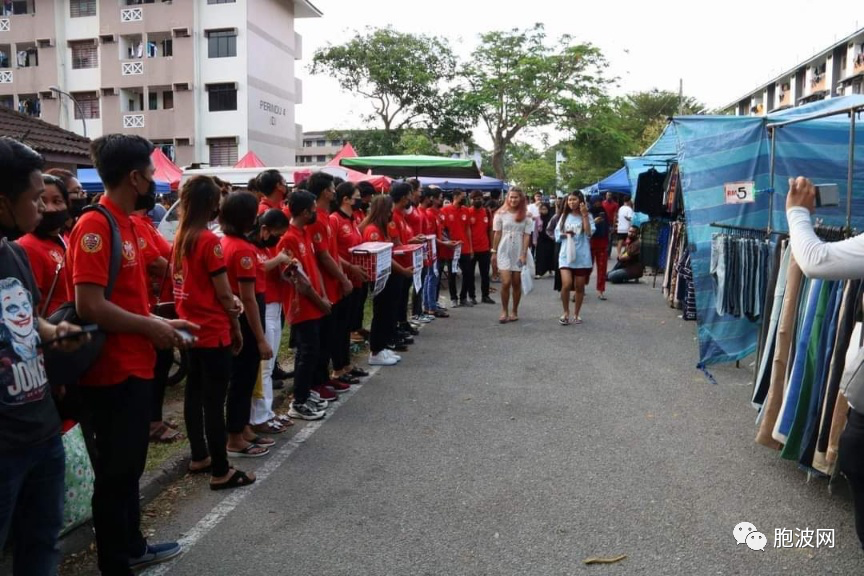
<point>76,206</point>
<point>147,201</point>
<point>357,205</point>
<point>51,222</point>
<point>270,242</point>
<point>364,205</point>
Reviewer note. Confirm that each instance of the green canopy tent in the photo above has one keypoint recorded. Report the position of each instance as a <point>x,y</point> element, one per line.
<point>414,166</point>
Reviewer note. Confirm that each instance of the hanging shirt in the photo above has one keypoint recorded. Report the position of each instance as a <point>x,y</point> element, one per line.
<point>124,355</point>
<point>45,256</point>
<point>194,293</point>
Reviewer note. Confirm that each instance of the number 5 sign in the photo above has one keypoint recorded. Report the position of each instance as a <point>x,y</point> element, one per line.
<point>739,192</point>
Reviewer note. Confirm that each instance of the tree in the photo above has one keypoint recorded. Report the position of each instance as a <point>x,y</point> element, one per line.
<point>413,142</point>
<point>534,175</point>
<point>516,80</point>
<point>404,76</point>
<point>369,142</point>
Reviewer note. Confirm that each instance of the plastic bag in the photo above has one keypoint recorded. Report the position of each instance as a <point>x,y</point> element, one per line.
<point>528,274</point>
<point>79,480</point>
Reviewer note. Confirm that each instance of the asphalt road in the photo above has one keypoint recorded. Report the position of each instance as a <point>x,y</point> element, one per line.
<point>524,449</point>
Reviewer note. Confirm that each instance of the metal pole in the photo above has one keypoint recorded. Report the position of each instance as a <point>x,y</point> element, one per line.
<point>77,106</point>
<point>771,182</point>
<point>828,114</point>
<point>851,172</point>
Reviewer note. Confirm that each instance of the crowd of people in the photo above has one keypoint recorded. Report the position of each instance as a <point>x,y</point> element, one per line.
<point>243,265</point>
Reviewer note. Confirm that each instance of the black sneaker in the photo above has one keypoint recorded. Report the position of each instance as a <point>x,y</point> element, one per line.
<point>473,301</point>
<point>280,374</point>
<point>487,300</point>
<point>466,303</point>
<point>403,338</point>
<point>154,554</point>
<point>278,384</point>
<point>411,331</point>
<point>304,412</point>
<point>397,347</point>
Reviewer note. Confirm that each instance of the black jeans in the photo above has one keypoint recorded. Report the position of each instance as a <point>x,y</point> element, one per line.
<point>244,374</point>
<point>464,265</point>
<point>307,338</point>
<point>204,406</point>
<point>326,345</point>
<point>164,359</point>
<point>850,458</point>
<point>383,330</point>
<point>120,416</point>
<point>482,260</point>
<point>341,354</point>
<point>360,295</point>
<point>405,288</point>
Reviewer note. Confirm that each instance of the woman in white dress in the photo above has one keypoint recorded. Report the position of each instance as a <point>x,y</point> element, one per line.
<point>512,228</point>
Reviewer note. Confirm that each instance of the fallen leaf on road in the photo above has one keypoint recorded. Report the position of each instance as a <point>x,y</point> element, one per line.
<point>601,560</point>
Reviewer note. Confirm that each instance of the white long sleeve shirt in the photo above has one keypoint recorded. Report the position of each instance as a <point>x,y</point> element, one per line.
<point>818,259</point>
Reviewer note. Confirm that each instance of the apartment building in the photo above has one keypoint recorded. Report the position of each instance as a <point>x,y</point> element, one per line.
<point>835,71</point>
<point>207,80</point>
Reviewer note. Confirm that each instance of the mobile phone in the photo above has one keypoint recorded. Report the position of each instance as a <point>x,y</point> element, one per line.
<point>187,337</point>
<point>87,329</point>
<point>827,195</point>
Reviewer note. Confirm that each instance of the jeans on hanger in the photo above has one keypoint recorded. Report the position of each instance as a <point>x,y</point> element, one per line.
<point>718,272</point>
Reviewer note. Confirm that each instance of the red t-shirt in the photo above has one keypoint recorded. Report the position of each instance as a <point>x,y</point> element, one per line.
<point>347,236</point>
<point>414,220</point>
<point>610,207</point>
<point>45,254</point>
<point>152,246</point>
<point>195,295</point>
<point>297,244</point>
<point>359,216</point>
<point>265,204</point>
<point>455,220</point>
<point>435,221</point>
<point>324,240</point>
<point>241,260</point>
<point>372,234</point>
<point>399,227</point>
<point>124,355</point>
<point>480,226</point>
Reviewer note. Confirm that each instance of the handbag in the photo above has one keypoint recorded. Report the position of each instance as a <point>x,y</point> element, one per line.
<point>79,480</point>
<point>65,368</point>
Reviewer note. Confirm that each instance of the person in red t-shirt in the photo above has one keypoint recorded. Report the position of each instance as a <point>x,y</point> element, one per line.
<point>383,336</point>
<point>403,233</point>
<point>347,236</point>
<point>116,389</point>
<point>305,304</point>
<point>269,228</point>
<point>367,191</point>
<point>336,283</point>
<point>432,227</point>
<point>46,249</point>
<point>203,295</point>
<point>481,236</point>
<point>237,219</point>
<point>610,207</point>
<point>455,219</point>
<point>271,185</point>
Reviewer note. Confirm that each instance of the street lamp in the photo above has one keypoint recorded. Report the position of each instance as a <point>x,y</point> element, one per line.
<point>77,106</point>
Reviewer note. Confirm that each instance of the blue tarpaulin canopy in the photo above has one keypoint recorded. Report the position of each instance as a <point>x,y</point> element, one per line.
<point>482,183</point>
<point>618,182</point>
<point>714,150</point>
<point>92,184</point>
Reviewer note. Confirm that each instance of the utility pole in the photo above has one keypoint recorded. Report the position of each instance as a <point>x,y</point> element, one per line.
<point>680,96</point>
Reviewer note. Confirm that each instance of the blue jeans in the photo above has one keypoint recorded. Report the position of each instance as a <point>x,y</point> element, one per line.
<point>31,504</point>
<point>430,289</point>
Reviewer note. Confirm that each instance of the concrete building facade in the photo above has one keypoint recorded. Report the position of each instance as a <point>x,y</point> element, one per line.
<point>837,70</point>
<point>207,80</point>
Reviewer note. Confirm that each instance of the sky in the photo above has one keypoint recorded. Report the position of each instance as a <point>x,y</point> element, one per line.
<point>721,51</point>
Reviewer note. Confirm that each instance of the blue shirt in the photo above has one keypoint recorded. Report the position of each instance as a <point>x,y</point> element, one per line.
<point>575,249</point>
<point>157,213</point>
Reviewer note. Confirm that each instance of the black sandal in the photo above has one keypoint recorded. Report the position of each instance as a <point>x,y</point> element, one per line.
<point>237,480</point>
<point>358,372</point>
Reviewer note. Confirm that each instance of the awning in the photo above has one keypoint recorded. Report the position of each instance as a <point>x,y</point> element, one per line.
<point>414,166</point>
<point>250,160</point>
<point>92,184</point>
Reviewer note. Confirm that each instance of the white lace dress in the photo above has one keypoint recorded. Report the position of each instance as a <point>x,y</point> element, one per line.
<point>512,237</point>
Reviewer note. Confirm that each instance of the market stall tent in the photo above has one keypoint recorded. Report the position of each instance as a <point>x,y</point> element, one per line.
<point>414,166</point>
<point>381,183</point>
<point>92,184</point>
<point>166,170</point>
<point>250,160</point>
<point>482,183</point>
<point>617,182</point>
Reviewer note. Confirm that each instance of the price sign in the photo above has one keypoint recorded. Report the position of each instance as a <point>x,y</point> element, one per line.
<point>739,192</point>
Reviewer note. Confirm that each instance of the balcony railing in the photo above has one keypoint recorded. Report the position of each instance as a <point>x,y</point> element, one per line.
<point>132,68</point>
<point>5,25</point>
<point>5,77</point>
<point>133,121</point>
<point>131,15</point>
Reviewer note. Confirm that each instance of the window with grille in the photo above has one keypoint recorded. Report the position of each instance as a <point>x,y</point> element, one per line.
<point>82,8</point>
<point>221,43</point>
<point>168,100</point>
<point>84,54</point>
<point>221,1</point>
<point>88,105</point>
<point>222,97</point>
<point>223,151</point>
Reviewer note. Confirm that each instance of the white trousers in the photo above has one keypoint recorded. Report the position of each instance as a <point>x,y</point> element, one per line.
<point>262,408</point>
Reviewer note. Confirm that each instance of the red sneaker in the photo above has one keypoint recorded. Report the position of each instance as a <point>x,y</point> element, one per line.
<point>339,386</point>
<point>324,392</point>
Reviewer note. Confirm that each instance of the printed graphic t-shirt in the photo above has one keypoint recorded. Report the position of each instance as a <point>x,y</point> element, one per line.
<point>27,412</point>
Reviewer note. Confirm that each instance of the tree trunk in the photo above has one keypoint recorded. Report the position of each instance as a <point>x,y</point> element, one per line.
<point>498,160</point>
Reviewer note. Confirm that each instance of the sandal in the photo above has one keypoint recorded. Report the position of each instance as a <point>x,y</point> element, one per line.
<point>237,480</point>
<point>270,427</point>
<point>262,441</point>
<point>514,318</point>
<point>284,420</point>
<point>563,321</point>
<point>166,435</point>
<point>203,470</point>
<point>503,319</point>
<point>250,451</point>
<point>359,372</point>
<point>601,297</point>
<point>576,320</point>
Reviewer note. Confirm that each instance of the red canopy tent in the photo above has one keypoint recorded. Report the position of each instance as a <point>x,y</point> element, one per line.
<point>381,183</point>
<point>250,160</point>
<point>166,170</point>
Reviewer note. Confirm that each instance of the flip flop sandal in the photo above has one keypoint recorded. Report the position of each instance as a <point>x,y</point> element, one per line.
<point>237,480</point>
<point>514,318</point>
<point>250,451</point>
<point>359,372</point>
<point>166,435</point>
<point>601,297</point>
<point>576,320</point>
<point>269,427</point>
<point>503,319</point>
<point>284,420</point>
<point>262,441</point>
<point>563,321</point>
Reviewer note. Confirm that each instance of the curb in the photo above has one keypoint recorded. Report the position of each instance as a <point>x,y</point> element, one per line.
<point>152,484</point>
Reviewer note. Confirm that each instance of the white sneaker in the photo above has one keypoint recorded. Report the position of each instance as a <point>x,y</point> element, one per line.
<point>381,359</point>
<point>392,354</point>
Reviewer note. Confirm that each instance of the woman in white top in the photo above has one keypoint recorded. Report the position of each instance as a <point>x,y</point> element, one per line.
<point>574,232</point>
<point>512,228</point>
